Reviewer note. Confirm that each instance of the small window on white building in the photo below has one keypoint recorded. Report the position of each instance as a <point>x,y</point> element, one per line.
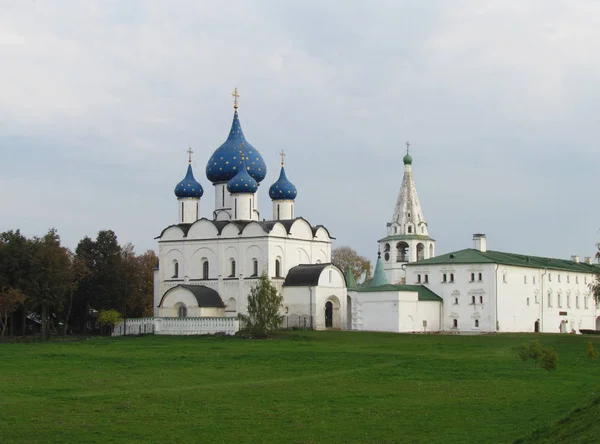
<point>527,301</point>
<point>277,268</point>
<point>472,277</point>
<point>409,229</point>
<point>559,300</point>
<point>568,279</point>
<point>525,280</point>
<point>585,302</point>
<point>533,279</point>
<point>504,277</point>
<point>418,279</point>
<point>476,323</point>
<point>576,279</point>
<point>577,301</point>
<point>473,300</point>
<point>481,299</point>
<point>549,299</point>
<point>175,269</point>
<point>479,277</point>
<point>559,278</point>
<point>232,268</point>
<point>255,267</point>
<point>451,277</point>
<point>182,311</point>
<point>444,278</point>
<point>330,276</point>
<point>568,300</point>
<point>454,323</point>
<point>426,279</point>
<point>549,277</point>
<point>205,269</point>
<point>455,301</point>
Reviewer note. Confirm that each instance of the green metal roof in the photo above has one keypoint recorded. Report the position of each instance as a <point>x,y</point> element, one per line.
<point>379,277</point>
<point>350,281</point>
<point>425,294</point>
<point>406,237</point>
<point>473,256</point>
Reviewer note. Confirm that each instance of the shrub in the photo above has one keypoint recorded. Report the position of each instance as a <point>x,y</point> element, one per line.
<point>549,359</point>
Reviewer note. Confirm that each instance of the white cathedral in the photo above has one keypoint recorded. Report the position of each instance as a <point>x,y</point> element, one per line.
<point>208,265</point>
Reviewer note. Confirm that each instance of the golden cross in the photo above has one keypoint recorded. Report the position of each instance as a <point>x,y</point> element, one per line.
<point>190,152</point>
<point>236,96</point>
<point>282,154</point>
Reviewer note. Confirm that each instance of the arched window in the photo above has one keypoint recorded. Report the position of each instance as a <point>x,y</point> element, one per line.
<point>386,248</point>
<point>527,301</point>
<point>472,277</point>
<point>232,268</point>
<point>175,269</point>
<point>205,270</point>
<point>558,300</point>
<point>455,301</point>
<point>479,277</point>
<point>481,299</point>
<point>277,268</point>
<point>418,279</point>
<point>426,279</point>
<point>182,311</point>
<point>549,299</point>
<point>451,277</point>
<point>477,323</point>
<point>454,323</point>
<point>473,300</point>
<point>409,229</point>
<point>444,277</point>
<point>255,267</point>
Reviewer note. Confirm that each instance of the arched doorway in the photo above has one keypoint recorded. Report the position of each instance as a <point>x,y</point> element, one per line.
<point>536,326</point>
<point>563,326</point>
<point>328,314</point>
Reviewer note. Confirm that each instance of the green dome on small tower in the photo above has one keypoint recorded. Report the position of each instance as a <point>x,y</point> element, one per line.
<point>408,158</point>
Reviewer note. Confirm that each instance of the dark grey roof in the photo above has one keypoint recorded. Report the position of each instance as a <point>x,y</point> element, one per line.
<point>267,225</point>
<point>304,275</point>
<point>206,297</point>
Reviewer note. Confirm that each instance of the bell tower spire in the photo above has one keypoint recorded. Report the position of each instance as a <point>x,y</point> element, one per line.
<point>407,237</point>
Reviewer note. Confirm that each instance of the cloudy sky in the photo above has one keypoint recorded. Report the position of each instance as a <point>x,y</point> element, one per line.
<point>99,101</point>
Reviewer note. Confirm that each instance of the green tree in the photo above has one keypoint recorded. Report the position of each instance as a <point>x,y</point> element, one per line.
<point>595,284</point>
<point>344,257</point>
<point>10,299</point>
<point>110,317</point>
<point>264,305</point>
<point>78,271</point>
<point>549,359</point>
<point>535,351</point>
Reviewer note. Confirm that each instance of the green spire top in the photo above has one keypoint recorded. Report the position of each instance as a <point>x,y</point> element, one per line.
<point>379,275</point>
<point>350,281</point>
<point>408,158</point>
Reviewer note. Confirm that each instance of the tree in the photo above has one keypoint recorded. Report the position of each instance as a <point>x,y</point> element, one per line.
<point>78,271</point>
<point>595,284</point>
<point>549,359</point>
<point>264,304</point>
<point>110,318</point>
<point>344,257</point>
<point>10,299</point>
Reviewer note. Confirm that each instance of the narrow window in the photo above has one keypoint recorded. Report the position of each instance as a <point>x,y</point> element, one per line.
<point>235,208</point>
<point>504,277</point>
<point>536,299</point>
<point>250,209</point>
<point>558,300</point>
<point>182,311</point>
<point>395,230</point>
<point>330,276</point>
<point>473,300</point>
<point>418,279</point>
<point>451,277</point>
<point>455,301</point>
<point>527,301</point>
<point>444,277</point>
<point>479,277</point>
<point>277,268</point>
<point>409,230</point>
<point>426,278</point>
<point>481,299</point>
<point>568,301</point>
<point>255,268</point>
<point>182,213</point>
<point>197,210</point>
<point>549,277</point>
<point>559,278</point>
<point>454,323</point>
<point>477,323</point>
<point>568,279</point>
<point>472,277</point>
<point>232,268</point>
<point>175,269</point>
<point>585,302</point>
<point>525,280</point>
<point>577,301</point>
<point>549,299</point>
<point>576,279</point>
<point>534,280</point>
<point>278,212</point>
<point>223,196</point>
<point>205,270</point>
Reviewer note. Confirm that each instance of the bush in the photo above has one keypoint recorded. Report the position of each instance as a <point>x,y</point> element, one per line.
<point>110,318</point>
<point>547,358</point>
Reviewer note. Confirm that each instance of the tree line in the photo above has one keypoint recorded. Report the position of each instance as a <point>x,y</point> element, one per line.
<point>47,288</point>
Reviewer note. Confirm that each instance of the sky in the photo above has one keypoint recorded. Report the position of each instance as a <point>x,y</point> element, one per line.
<point>499,99</point>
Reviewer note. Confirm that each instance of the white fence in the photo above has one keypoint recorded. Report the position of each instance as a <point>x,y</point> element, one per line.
<point>177,326</point>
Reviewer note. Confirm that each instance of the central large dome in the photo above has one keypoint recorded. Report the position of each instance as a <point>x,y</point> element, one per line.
<point>226,161</point>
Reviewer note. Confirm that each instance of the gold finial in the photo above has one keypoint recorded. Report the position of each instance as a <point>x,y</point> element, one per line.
<point>236,96</point>
<point>190,152</point>
<point>407,147</point>
<point>282,154</point>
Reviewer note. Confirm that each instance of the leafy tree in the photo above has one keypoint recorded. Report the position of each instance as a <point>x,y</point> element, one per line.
<point>139,281</point>
<point>595,284</point>
<point>344,257</point>
<point>590,350</point>
<point>549,359</point>
<point>110,318</point>
<point>10,299</point>
<point>78,271</point>
<point>264,304</point>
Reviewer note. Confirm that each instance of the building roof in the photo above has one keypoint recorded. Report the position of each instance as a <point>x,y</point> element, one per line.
<point>425,294</point>
<point>267,225</point>
<point>473,256</point>
<point>283,189</point>
<point>189,186</point>
<point>379,277</point>
<point>206,297</point>
<point>304,275</point>
<point>406,237</point>
<point>350,281</point>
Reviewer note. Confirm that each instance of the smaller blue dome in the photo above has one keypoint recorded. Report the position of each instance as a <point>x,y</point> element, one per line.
<point>283,189</point>
<point>189,187</point>
<point>242,182</point>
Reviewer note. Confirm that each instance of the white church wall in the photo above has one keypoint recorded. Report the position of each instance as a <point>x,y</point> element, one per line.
<point>195,264</point>
<point>377,311</point>
<point>202,229</point>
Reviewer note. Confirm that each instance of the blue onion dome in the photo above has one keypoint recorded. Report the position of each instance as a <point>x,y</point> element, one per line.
<point>242,182</point>
<point>283,189</point>
<point>226,161</point>
<point>189,187</point>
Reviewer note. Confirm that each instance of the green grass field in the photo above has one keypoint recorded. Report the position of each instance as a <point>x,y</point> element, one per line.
<point>302,387</point>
